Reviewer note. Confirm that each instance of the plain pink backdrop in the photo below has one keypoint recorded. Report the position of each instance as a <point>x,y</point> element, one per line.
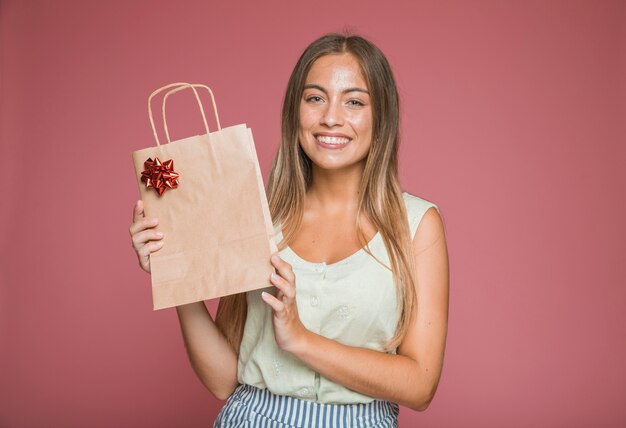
<point>513,123</point>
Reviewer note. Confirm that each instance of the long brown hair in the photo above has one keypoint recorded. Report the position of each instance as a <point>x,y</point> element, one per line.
<point>380,193</point>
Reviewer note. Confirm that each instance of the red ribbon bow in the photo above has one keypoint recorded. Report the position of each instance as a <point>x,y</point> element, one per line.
<point>159,175</point>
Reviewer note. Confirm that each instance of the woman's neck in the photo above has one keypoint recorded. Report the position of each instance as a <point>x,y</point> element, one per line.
<point>333,190</point>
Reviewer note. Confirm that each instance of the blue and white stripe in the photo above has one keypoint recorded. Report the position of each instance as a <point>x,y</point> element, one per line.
<point>251,407</point>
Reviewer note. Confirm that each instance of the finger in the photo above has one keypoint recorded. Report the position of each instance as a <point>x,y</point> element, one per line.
<point>138,211</point>
<point>143,224</point>
<point>283,268</point>
<point>283,286</point>
<point>149,248</point>
<point>139,239</point>
<point>274,303</point>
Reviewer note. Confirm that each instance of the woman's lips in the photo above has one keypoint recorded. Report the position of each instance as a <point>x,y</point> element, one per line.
<point>332,141</point>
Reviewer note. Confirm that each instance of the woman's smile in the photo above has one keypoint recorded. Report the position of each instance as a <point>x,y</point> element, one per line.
<point>332,141</point>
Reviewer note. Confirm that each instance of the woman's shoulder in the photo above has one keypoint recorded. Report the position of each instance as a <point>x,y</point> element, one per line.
<point>414,202</point>
<point>416,207</point>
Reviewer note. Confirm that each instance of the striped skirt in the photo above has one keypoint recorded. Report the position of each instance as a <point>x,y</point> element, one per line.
<point>252,407</point>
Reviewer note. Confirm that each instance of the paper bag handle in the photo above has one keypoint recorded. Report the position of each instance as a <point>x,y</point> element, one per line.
<point>156,136</point>
<point>193,87</point>
<point>180,86</point>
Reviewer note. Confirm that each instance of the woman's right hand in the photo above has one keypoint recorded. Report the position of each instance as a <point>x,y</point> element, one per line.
<point>146,239</point>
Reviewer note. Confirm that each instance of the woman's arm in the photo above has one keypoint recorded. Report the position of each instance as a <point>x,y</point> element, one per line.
<point>211,356</point>
<point>213,359</point>
<point>409,378</point>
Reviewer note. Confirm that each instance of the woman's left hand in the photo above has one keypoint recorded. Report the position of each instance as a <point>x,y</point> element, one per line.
<point>288,329</point>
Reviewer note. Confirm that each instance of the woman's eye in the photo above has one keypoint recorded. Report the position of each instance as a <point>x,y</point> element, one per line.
<point>314,99</point>
<point>355,103</point>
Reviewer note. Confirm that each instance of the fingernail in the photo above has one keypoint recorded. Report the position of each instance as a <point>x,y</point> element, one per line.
<point>274,276</point>
<point>159,243</point>
<point>159,234</point>
<point>275,258</point>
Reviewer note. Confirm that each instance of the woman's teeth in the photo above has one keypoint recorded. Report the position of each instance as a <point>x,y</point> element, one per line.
<point>332,140</point>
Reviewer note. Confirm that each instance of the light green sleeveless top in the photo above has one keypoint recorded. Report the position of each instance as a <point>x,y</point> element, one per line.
<point>352,301</point>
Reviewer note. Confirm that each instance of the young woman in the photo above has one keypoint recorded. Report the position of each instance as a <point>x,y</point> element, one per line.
<point>356,323</point>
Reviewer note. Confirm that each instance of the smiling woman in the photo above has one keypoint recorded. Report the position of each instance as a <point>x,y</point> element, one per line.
<point>356,322</point>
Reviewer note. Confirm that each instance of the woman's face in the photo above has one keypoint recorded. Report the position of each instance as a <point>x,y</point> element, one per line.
<point>336,113</point>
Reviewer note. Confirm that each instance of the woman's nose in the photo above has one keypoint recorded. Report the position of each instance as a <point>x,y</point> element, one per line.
<point>332,115</point>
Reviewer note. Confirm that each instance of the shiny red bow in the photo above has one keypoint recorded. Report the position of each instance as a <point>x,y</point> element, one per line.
<point>159,175</point>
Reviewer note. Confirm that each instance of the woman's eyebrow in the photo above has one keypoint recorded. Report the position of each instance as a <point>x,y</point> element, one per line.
<point>320,88</point>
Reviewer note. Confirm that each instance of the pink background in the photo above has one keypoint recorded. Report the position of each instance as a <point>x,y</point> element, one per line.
<point>513,123</point>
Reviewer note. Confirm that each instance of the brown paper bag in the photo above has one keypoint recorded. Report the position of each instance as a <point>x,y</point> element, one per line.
<point>216,221</point>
